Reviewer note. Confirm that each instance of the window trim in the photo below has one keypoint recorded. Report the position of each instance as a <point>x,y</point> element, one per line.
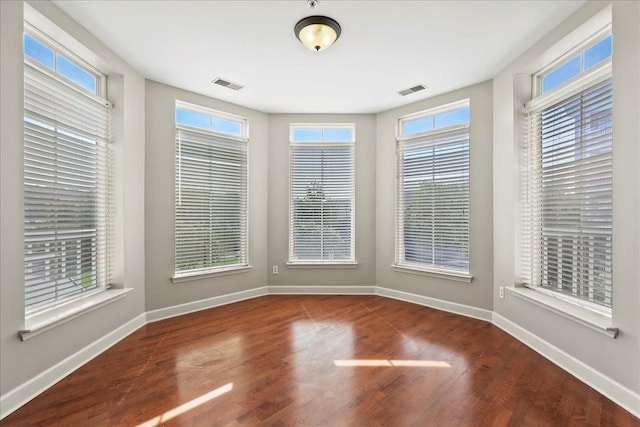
<point>328,264</point>
<point>433,272</point>
<point>40,322</point>
<point>350,263</point>
<point>209,273</point>
<point>566,308</point>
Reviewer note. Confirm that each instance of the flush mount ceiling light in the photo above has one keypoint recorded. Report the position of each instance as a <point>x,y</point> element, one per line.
<point>317,32</point>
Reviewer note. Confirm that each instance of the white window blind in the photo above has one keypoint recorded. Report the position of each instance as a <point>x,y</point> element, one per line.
<point>322,185</point>
<point>210,196</point>
<point>432,206</point>
<point>68,209</point>
<point>567,192</point>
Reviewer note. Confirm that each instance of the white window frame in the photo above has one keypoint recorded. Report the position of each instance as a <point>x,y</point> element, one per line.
<point>340,263</point>
<point>213,271</point>
<point>591,314</point>
<point>402,139</point>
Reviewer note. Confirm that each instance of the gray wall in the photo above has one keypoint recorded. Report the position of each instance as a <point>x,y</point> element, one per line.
<point>278,213</point>
<point>159,222</point>
<point>618,359</point>
<point>478,293</point>
<point>22,361</point>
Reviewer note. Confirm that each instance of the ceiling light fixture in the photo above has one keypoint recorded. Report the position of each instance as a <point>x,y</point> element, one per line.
<point>317,32</point>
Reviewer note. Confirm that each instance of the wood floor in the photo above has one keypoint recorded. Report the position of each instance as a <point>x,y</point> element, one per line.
<point>320,360</point>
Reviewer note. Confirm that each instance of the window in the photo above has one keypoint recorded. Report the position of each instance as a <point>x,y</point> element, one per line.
<point>567,191</point>
<point>47,54</point>
<point>432,216</point>
<point>585,59</point>
<point>322,185</point>
<point>68,209</point>
<point>210,191</point>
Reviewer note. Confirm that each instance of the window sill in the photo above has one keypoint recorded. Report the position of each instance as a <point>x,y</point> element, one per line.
<point>41,322</point>
<point>188,277</point>
<point>441,274</point>
<point>294,264</point>
<point>596,321</point>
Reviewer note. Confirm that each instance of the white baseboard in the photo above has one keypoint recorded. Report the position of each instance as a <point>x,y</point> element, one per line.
<point>190,307</point>
<point>618,393</point>
<point>451,307</point>
<point>14,399</point>
<point>322,290</point>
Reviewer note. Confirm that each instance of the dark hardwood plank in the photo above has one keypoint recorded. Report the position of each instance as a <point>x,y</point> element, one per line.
<point>320,360</point>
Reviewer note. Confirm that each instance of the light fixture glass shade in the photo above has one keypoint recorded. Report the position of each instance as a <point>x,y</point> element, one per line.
<point>317,32</point>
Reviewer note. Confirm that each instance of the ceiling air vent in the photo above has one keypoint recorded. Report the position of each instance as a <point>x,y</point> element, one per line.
<point>414,89</point>
<point>227,84</point>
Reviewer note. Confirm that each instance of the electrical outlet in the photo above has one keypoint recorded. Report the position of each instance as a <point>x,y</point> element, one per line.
<point>275,269</point>
<point>501,291</point>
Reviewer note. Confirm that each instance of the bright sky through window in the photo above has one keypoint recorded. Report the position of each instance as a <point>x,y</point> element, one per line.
<point>76,74</point>
<point>36,50</point>
<point>206,121</point>
<point>597,53</point>
<point>322,135</point>
<point>576,65</point>
<point>59,63</point>
<point>436,121</point>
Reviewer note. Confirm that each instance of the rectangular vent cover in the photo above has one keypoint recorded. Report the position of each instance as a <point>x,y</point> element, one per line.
<point>227,84</point>
<point>413,89</point>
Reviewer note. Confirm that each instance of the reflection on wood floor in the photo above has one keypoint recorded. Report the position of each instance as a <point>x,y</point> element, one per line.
<point>320,360</point>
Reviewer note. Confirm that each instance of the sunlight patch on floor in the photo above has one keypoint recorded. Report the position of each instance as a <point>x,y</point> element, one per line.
<point>187,406</point>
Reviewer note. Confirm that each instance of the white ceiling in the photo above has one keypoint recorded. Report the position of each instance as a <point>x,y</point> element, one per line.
<point>386,46</point>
